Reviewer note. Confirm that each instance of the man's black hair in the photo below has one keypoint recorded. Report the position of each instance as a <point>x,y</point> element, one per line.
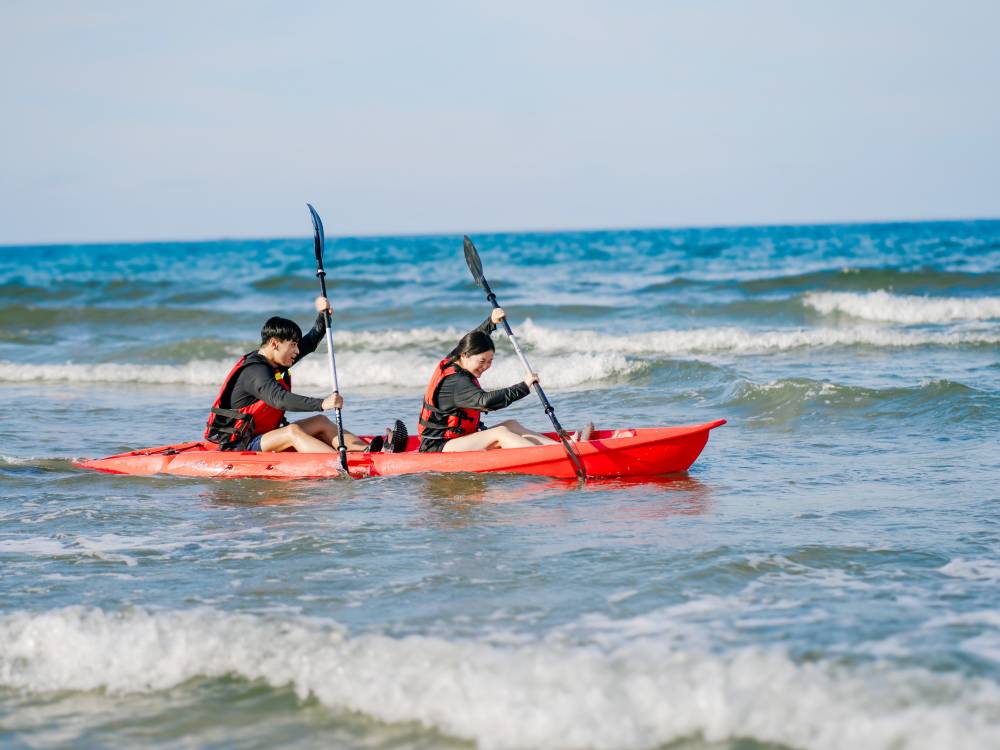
<point>282,329</point>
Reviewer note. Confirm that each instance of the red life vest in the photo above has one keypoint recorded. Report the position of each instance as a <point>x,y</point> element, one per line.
<point>445,425</point>
<point>230,427</point>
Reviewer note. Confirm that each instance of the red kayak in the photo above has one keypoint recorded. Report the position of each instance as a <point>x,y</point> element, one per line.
<point>644,451</point>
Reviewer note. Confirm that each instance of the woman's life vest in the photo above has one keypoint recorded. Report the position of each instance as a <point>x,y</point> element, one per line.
<point>230,427</point>
<point>436,424</point>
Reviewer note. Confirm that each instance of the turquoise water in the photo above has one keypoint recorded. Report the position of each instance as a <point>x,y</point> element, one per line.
<point>825,576</point>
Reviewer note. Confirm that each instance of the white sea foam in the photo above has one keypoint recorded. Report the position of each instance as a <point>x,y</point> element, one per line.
<point>984,644</point>
<point>725,340</point>
<point>885,307</point>
<point>977,570</point>
<point>354,369</point>
<point>24,460</point>
<point>34,546</point>
<point>107,547</point>
<point>545,340</point>
<point>198,372</point>
<point>442,339</point>
<point>986,617</point>
<point>545,694</point>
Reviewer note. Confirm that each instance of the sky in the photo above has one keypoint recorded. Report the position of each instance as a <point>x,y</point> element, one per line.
<point>200,120</point>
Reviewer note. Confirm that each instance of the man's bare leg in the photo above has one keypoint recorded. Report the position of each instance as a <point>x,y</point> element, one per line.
<point>324,429</point>
<point>312,435</point>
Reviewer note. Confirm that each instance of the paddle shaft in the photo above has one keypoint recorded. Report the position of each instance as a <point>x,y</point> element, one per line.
<point>549,410</point>
<point>524,361</point>
<point>321,275</point>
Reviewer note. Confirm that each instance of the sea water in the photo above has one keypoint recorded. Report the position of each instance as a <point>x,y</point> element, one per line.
<point>825,576</point>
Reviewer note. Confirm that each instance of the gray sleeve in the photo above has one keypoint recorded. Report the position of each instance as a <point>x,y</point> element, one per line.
<point>310,340</point>
<point>260,382</point>
<point>465,394</point>
<point>487,326</point>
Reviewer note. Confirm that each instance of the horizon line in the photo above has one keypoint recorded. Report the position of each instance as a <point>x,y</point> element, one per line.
<point>555,230</point>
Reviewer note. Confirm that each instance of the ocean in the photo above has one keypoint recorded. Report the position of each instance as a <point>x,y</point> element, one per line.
<point>825,576</point>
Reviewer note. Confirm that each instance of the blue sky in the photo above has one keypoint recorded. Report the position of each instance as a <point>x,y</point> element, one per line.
<point>179,120</point>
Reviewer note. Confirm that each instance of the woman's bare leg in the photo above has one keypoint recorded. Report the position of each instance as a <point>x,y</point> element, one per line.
<point>501,436</point>
<point>495,437</point>
<point>536,438</point>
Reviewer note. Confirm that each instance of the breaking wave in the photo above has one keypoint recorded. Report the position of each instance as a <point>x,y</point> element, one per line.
<point>723,339</point>
<point>354,370</point>
<point>563,357</point>
<point>741,340</point>
<point>642,694</point>
<point>884,307</point>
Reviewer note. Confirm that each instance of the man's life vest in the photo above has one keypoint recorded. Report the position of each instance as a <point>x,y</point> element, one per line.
<point>436,424</point>
<point>230,427</point>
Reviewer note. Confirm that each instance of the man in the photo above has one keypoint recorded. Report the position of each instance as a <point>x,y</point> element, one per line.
<point>249,412</point>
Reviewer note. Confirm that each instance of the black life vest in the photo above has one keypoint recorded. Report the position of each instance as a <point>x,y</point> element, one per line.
<point>437,424</point>
<point>230,428</point>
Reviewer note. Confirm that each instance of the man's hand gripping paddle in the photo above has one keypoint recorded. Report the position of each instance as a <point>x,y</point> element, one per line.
<point>476,267</point>
<point>318,243</point>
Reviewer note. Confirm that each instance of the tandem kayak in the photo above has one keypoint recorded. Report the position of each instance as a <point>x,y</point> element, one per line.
<point>644,451</point>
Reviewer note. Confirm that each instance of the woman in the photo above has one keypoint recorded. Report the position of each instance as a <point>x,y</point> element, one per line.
<point>450,419</point>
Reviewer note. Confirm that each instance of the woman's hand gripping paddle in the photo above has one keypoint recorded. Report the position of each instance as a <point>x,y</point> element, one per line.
<point>476,267</point>
<point>318,243</point>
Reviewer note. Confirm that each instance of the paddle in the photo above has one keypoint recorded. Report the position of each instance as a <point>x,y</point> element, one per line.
<point>318,242</point>
<point>476,267</point>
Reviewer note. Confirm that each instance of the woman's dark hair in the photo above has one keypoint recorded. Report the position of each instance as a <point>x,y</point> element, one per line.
<point>474,342</point>
<point>282,329</point>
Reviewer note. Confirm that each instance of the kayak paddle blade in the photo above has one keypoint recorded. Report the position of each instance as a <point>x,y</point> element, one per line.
<point>318,237</point>
<point>472,258</point>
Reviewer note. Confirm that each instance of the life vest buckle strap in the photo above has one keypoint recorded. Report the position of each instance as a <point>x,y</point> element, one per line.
<point>230,413</point>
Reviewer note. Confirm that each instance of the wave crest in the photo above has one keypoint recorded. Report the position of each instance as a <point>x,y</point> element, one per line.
<point>639,695</point>
<point>745,341</point>
<point>354,369</point>
<point>724,339</point>
<point>884,307</point>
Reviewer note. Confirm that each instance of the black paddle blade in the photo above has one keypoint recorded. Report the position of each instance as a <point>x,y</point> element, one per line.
<point>472,258</point>
<point>318,237</point>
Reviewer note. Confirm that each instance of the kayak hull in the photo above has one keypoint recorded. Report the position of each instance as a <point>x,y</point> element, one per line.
<point>648,451</point>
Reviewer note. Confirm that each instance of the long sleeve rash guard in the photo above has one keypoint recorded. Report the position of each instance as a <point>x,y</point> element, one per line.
<point>256,381</point>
